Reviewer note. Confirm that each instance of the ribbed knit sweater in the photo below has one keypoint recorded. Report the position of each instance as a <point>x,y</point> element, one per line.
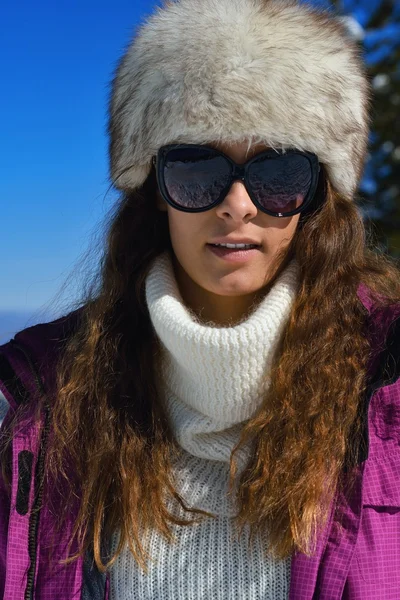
<point>214,379</point>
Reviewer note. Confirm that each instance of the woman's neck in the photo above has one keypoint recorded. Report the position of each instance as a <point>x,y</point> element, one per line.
<point>222,311</point>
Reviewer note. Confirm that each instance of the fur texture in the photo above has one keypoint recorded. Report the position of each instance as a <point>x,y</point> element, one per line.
<point>277,71</point>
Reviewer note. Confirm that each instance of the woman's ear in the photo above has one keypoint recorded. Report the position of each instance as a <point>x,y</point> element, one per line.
<point>161,204</point>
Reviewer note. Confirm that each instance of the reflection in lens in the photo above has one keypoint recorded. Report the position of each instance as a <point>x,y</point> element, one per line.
<point>195,179</point>
<point>281,184</point>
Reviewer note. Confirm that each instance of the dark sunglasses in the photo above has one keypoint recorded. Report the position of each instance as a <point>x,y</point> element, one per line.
<point>195,178</point>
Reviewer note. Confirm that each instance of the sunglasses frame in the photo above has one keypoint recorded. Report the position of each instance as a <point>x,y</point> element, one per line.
<point>238,173</point>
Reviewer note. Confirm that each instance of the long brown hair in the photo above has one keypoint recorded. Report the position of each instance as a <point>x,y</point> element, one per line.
<point>109,423</point>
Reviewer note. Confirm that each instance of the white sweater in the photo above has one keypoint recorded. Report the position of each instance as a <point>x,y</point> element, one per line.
<point>214,379</point>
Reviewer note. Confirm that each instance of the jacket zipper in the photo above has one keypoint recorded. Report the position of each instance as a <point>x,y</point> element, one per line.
<point>38,481</point>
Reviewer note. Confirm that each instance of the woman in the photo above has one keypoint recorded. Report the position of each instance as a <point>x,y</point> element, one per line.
<point>219,417</point>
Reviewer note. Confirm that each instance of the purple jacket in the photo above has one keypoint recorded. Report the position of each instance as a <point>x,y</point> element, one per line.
<point>359,560</point>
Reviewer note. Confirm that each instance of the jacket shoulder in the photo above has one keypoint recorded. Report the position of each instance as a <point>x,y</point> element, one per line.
<point>384,334</point>
<point>29,358</point>
<point>45,337</point>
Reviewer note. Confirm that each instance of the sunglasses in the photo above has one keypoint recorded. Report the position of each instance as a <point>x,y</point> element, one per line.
<point>196,178</point>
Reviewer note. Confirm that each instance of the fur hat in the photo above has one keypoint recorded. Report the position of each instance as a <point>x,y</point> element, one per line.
<point>275,71</point>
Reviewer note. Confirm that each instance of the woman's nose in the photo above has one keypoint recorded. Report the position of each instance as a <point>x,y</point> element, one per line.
<point>237,204</point>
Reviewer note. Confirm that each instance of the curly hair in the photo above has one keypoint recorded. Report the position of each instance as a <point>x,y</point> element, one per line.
<point>109,423</point>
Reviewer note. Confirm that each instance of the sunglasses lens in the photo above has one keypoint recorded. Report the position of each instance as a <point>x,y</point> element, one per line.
<point>281,184</point>
<point>195,178</point>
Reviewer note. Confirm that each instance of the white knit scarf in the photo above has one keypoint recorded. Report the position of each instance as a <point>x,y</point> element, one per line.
<point>214,378</point>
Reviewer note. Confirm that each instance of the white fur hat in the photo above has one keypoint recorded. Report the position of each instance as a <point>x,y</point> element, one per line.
<point>275,71</point>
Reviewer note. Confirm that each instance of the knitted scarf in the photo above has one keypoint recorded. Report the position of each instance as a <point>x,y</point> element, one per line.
<point>214,378</point>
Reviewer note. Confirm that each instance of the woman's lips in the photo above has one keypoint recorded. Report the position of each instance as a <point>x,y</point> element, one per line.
<point>234,254</point>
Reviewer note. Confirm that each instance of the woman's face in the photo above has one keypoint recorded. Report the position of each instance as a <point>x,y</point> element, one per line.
<point>236,219</point>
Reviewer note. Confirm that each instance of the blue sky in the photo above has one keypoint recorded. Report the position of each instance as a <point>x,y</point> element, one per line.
<point>59,60</point>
